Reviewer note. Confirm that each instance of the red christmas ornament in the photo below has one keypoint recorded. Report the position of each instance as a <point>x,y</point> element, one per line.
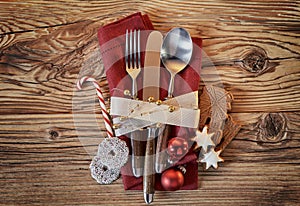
<point>172,179</point>
<point>177,148</point>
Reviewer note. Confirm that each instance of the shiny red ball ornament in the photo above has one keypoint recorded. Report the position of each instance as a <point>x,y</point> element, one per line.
<point>172,179</point>
<point>177,149</point>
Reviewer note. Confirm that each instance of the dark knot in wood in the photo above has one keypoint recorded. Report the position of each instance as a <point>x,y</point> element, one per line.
<point>272,128</point>
<point>52,134</point>
<point>256,61</point>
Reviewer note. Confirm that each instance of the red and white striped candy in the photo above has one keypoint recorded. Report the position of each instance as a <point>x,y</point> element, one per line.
<point>108,125</point>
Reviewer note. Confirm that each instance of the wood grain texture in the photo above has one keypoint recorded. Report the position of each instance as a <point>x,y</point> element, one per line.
<point>49,131</point>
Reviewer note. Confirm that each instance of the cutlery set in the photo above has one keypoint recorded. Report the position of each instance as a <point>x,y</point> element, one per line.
<point>175,52</point>
<point>161,121</point>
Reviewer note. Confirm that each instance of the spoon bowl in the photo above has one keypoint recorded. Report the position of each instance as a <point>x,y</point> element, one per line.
<point>176,53</point>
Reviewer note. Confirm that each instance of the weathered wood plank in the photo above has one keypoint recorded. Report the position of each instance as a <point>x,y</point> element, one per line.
<point>54,79</point>
<point>29,15</point>
<point>57,168</point>
<point>47,67</point>
<point>273,92</point>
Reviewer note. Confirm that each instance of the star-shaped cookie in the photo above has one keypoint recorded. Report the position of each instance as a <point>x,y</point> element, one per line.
<point>203,139</point>
<point>212,158</point>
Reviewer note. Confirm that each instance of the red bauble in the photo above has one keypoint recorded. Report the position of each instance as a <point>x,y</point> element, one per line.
<point>172,180</point>
<point>177,148</point>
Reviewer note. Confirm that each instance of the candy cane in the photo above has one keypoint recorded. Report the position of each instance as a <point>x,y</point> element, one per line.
<point>108,125</point>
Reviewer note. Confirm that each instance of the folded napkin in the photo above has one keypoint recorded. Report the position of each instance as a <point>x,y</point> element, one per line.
<point>112,45</point>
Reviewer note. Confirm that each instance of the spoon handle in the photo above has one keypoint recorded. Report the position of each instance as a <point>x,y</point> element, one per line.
<point>161,147</point>
<point>171,85</point>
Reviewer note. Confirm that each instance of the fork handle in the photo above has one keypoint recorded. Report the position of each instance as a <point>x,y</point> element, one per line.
<point>149,171</point>
<point>138,145</point>
<point>134,88</point>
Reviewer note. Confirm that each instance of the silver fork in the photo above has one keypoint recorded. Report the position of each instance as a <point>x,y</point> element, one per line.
<point>133,68</point>
<point>133,64</point>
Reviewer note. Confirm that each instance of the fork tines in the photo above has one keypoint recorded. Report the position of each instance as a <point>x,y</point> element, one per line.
<point>132,49</point>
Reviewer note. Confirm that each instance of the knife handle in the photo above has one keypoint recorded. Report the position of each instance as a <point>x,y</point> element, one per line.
<point>161,149</point>
<point>149,171</point>
<point>138,145</point>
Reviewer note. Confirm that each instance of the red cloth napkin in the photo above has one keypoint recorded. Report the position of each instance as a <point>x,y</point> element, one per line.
<point>112,45</point>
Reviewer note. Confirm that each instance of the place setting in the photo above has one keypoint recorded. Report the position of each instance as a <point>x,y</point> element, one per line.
<point>162,124</point>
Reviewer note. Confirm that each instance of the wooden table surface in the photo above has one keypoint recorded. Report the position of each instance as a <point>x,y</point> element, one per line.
<point>45,45</point>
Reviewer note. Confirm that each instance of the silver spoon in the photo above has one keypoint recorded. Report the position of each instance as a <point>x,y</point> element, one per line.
<point>176,53</point>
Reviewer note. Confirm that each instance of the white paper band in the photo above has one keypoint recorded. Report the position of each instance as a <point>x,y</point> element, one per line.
<point>136,114</point>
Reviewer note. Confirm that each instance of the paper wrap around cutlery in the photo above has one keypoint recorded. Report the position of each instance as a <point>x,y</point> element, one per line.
<point>185,114</point>
<point>112,43</point>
